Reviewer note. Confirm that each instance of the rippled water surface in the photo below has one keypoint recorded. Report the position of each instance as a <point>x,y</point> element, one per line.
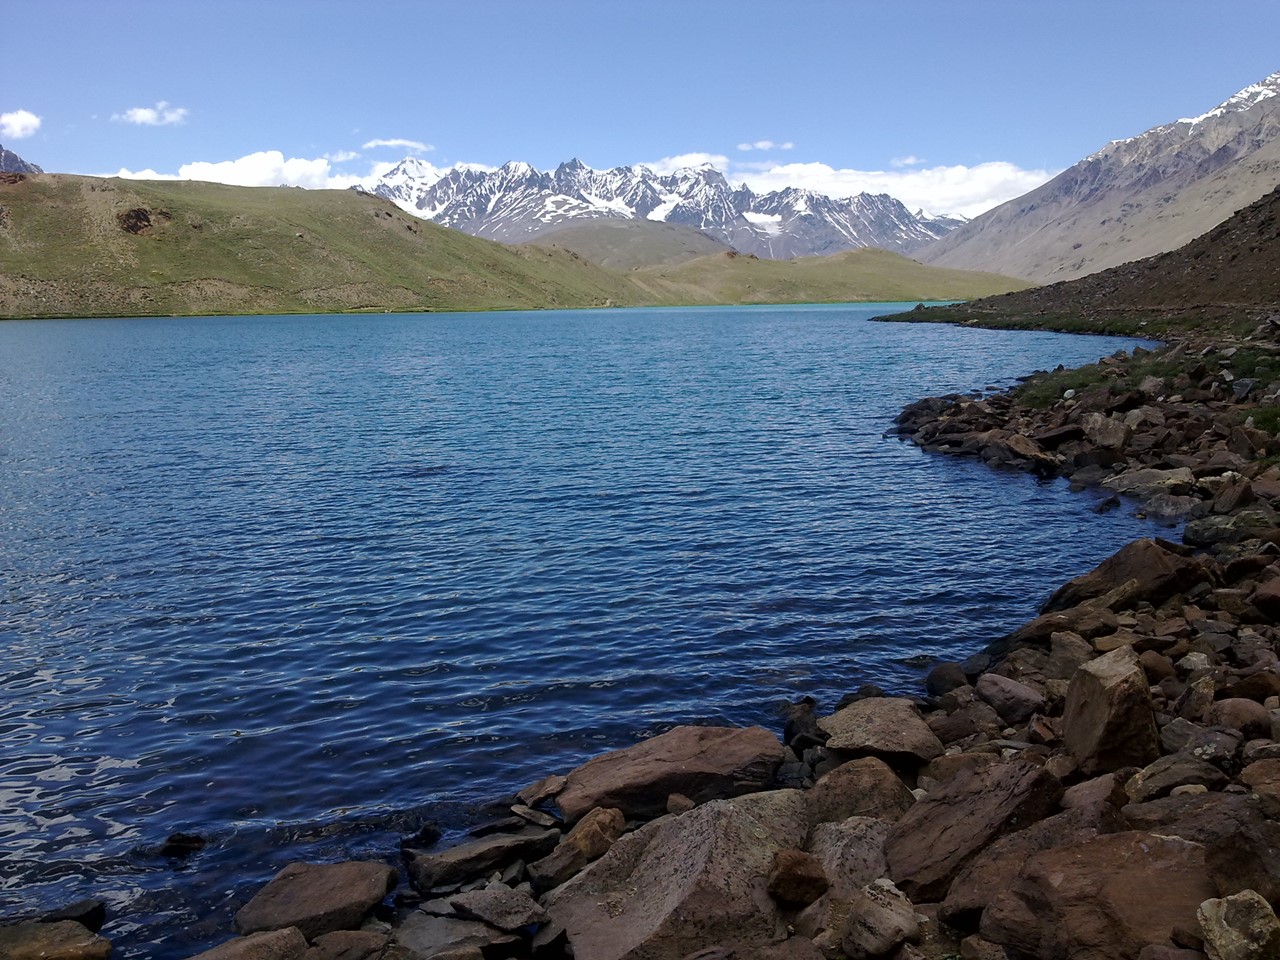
<point>297,583</point>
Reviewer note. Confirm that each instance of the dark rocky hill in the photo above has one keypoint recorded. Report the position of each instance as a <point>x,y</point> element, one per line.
<point>1230,273</point>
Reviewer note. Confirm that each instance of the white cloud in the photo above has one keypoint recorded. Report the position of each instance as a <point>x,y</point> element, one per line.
<point>266,168</point>
<point>671,164</point>
<point>910,160</point>
<point>342,156</point>
<point>968,191</point>
<point>766,145</point>
<point>18,125</point>
<point>161,115</point>
<point>416,146</point>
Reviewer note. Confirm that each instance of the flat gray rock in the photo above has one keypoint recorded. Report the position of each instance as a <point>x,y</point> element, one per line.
<point>317,898</point>
<point>882,726</point>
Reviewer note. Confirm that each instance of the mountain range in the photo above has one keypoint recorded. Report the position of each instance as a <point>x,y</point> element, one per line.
<point>517,203</point>
<point>1133,198</point>
<point>10,162</point>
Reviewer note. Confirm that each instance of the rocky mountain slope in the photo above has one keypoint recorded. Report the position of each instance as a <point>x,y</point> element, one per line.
<point>1229,275</point>
<point>1133,198</point>
<point>517,202</point>
<point>10,162</point>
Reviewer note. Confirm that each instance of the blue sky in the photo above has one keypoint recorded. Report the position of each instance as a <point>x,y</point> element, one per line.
<point>948,104</point>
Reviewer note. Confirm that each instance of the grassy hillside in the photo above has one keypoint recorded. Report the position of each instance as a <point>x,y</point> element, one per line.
<point>627,244</point>
<point>866,275</point>
<point>71,246</point>
<point>84,246</point>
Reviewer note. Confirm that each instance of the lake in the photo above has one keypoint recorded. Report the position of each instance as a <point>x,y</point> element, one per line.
<point>298,584</point>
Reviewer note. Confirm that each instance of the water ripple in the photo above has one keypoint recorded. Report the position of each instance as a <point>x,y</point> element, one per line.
<point>298,583</point>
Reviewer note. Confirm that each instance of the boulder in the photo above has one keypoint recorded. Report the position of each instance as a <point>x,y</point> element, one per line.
<point>797,878</point>
<point>1104,899</point>
<point>860,788</point>
<point>1159,571</point>
<point>60,940</point>
<point>1147,482</point>
<point>348,945</point>
<point>1108,721</point>
<point>1159,778</point>
<point>422,935</point>
<point>1264,777</point>
<point>683,884</point>
<point>852,855</point>
<point>702,763</point>
<point>887,727</point>
<point>881,919</point>
<point>317,898</point>
<point>589,839</point>
<point>1104,431</point>
<point>476,858</point>
<point>947,676</point>
<point>1240,927</point>
<point>499,906</point>
<point>987,875</point>
<point>939,835</point>
<point>1015,702</point>
<point>1241,841</point>
<point>1251,718</point>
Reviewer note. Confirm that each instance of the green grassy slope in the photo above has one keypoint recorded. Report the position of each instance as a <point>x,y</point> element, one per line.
<point>212,248</point>
<point>854,275</point>
<point>627,244</point>
<point>84,246</point>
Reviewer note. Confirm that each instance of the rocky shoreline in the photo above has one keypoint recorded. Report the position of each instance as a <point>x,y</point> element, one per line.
<point>1104,782</point>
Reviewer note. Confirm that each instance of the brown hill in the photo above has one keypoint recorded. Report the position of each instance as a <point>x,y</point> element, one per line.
<point>1230,273</point>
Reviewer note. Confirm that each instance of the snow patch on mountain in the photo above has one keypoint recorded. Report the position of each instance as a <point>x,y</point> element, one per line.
<point>515,202</point>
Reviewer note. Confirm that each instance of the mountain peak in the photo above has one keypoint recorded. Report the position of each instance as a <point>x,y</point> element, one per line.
<point>517,202</point>
<point>1253,94</point>
<point>10,162</point>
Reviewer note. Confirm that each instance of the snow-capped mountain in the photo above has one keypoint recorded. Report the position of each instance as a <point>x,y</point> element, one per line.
<point>1132,199</point>
<point>516,202</point>
<point>10,162</point>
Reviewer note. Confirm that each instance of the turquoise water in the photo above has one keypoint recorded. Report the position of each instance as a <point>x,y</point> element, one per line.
<point>298,583</point>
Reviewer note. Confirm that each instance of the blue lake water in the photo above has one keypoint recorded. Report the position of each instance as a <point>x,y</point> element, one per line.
<point>298,583</point>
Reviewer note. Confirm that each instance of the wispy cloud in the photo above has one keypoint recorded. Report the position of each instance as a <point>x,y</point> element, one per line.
<point>960,189</point>
<point>163,114</point>
<point>266,168</point>
<point>18,125</point>
<point>910,160</point>
<point>415,146</point>
<point>342,156</point>
<point>680,161</point>
<point>766,145</point>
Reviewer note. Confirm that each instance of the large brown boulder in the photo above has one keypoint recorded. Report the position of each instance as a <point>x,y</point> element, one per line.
<point>1241,840</point>
<point>286,944</point>
<point>937,837</point>
<point>64,940</point>
<point>1104,899</point>
<point>684,883</point>
<point>590,838</point>
<point>859,788</point>
<point>1159,571</point>
<point>1108,722</point>
<point>317,898</point>
<point>852,855</point>
<point>987,875</point>
<point>701,763</point>
<point>887,727</point>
